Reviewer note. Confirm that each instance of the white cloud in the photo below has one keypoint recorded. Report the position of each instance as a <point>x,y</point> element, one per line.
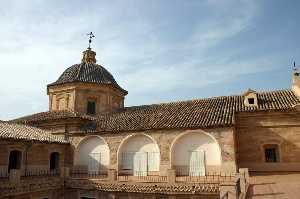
<point>40,39</point>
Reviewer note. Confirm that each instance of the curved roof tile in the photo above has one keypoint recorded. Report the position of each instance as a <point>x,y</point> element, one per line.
<point>23,132</point>
<point>89,73</point>
<point>199,113</point>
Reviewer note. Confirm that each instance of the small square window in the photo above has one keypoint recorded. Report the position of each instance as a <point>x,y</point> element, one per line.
<point>91,108</point>
<point>271,154</point>
<point>251,100</point>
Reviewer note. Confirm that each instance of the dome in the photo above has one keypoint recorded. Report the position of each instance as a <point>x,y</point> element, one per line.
<point>89,73</point>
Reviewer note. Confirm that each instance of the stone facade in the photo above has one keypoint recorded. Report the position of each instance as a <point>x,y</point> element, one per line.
<point>164,139</point>
<point>74,97</point>
<point>254,130</point>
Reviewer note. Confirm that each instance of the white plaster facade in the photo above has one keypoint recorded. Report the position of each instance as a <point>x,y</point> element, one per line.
<point>196,146</point>
<point>93,151</point>
<point>139,153</point>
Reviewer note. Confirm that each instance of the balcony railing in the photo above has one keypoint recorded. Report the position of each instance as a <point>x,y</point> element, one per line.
<point>177,176</point>
<point>41,172</point>
<point>210,177</point>
<point>126,178</point>
<point>4,174</point>
<point>84,173</point>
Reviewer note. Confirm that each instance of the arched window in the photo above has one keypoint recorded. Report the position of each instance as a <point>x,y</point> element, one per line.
<point>15,158</point>
<point>54,161</point>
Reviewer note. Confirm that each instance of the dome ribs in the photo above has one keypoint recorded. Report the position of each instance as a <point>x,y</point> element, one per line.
<point>87,73</point>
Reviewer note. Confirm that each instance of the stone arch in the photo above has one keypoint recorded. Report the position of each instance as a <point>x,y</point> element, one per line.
<point>93,152</point>
<point>138,151</point>
<point>195,149</point>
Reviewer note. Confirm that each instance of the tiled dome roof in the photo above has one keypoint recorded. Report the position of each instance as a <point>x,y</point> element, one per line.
<point>89,73</point>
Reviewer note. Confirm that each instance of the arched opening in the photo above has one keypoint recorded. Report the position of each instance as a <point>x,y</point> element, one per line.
<point>93,152</point>
<point>15,158</point>
<point>139,155</point>
<point>195,153</point>
<point>54,162</point>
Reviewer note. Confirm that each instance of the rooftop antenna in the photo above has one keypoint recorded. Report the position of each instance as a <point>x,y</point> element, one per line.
<point>91,36</point>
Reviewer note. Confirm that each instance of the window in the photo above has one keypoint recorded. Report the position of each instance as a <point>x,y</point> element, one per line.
<point>91,108</point>
<point>271,153</point>
<point>54,161</point>
<point>251,100</point>
<point>15,158</point>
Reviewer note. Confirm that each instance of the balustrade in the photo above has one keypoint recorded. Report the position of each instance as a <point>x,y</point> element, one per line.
<point>82,172</point>
<point>127,178</point>
<point>41,172</point>
<point>4,174</point>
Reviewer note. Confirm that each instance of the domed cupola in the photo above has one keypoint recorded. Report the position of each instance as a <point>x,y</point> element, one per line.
<point>86,88</point>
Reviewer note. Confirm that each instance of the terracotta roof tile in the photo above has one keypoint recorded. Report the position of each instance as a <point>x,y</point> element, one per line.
<point>200,113</point>
<point>87,72</point>
<point>23,132</point>
<point>210,112</point>
<point>158,188</point>
<point>50,115</point>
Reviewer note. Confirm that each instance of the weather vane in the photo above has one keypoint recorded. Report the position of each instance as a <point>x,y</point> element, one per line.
<point>295,67</point>
<point>91,35</point>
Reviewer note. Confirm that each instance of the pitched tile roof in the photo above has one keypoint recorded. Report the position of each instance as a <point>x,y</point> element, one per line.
<point>87,72</point>
<point>201,113</point>
<point>23,132</point>
<point>50,115</point>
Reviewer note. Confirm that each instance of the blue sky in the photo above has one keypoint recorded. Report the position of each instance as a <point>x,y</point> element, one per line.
<point>159,51</point>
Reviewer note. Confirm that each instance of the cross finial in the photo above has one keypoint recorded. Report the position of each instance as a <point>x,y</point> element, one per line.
<point>294,67</point>
<point>91,35</point>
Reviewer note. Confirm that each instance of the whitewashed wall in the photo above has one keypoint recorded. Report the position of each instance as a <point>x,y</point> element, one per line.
<point>194,141</point>
<point>93,144</point>
<point>139,143</point>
